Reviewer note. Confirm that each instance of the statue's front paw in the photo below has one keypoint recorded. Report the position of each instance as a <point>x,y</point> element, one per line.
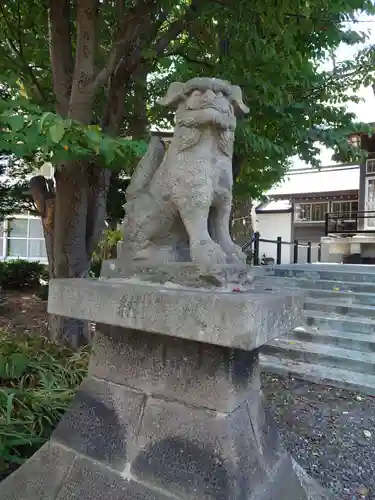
<point>207,253</point>
<point>236,254</point>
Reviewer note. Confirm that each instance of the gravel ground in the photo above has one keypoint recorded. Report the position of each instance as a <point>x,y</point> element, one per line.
<point>329,431</point>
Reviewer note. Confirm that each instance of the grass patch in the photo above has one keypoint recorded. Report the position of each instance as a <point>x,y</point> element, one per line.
<point>38,380</point>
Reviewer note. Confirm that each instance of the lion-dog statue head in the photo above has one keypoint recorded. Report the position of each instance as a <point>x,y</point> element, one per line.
<point>205,103</point>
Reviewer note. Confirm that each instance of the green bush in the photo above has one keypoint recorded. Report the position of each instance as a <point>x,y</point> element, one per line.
<point>107,245</point>
<point>42,291</point>
<point>106,249</point>
<point>38,380</point>
<point>16,274</point>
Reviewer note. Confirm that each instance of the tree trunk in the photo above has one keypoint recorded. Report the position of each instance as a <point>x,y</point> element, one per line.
<point>79,204</point>
<point>73,219</point>
<point>240,222</point>
<point>81,190</point>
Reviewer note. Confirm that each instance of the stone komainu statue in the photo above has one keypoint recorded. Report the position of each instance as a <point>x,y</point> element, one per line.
<point>179,201</point>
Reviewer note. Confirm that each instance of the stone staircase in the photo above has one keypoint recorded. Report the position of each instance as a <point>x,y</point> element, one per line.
<point>336,343</point>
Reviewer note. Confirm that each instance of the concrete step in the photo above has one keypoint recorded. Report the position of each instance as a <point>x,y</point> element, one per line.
<point>326,355</point>
<point>320,374</point>
<point>322,320</point>
<point>347,340</point>
<point>341,306</point>
<point>343,296</point>
<point>327,266</point>
<point>334,272</point>
<point>332,285</point>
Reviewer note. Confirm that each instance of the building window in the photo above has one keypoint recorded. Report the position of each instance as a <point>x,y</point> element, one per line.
<point>355,140</point>
<point>370,166</point>
<point>310,212</point>
<point>24,239</point>
<point>346,208</point>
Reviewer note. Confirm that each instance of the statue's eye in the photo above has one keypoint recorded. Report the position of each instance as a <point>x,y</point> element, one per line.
<point>219,94</point>
<point>196,93</point>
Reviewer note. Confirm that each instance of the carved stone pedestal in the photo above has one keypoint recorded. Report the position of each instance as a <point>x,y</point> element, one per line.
<point>172,407</point>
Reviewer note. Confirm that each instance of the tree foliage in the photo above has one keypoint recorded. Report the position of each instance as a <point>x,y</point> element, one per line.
<point>96,81</point>
<point>294,104</point>
<point>38,137</point>
<point>272,52</point>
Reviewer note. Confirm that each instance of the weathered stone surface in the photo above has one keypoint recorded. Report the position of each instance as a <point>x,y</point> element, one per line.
<point>195,373</point>
<point>102,422</point>
<point>195,453</point>
<point>185,274</point>
<point>286,484</point>
<point>243,320</point>
<point>88,480</point>
<point>179,203</point>
<point>265,431</point>
<point>42,475</point>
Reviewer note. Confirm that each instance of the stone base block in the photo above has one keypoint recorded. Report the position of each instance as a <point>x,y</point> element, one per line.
<point>57,473</point>
<point>240,320</point>
<point>175,420</point>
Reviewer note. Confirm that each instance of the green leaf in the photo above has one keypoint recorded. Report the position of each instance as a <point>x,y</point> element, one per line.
<point>16,122</point>
<point>57,131</point>
<point>9,407</point>
<point>3,367</point>
<point>17,364</point>
<point>93,135</point>
<point>45,117</point>
<point>149,53</point>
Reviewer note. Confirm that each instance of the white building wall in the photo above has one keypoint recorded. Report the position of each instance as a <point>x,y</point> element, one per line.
<point>270,226</point>
<point>21,235</point>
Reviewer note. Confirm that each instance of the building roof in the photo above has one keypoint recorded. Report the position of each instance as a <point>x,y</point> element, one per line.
<point>325,180</point>
<point>274,206</point>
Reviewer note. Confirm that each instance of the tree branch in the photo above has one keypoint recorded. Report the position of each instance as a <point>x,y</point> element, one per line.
<point>131,56</point>
<point>19,31</point>
<point>227,3</point>
<point>80,104</point>
<point>8,22</point>
<point>176,27</point>
<point>189,59</point>
<point>60,44</point>
<point>130,27</point>
<point>18,51</point>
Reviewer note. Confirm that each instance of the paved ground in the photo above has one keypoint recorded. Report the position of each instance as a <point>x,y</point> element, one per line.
<point>330,432</point>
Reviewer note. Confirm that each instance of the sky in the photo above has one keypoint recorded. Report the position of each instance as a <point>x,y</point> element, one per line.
<point>365,110</point>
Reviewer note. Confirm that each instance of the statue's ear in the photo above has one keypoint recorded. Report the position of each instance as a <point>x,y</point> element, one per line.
<point>239,106</point>
<point>174,95</point>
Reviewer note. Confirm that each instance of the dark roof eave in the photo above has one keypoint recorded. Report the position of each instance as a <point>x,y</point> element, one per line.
<point>281,211</point>
<point>317,194</point>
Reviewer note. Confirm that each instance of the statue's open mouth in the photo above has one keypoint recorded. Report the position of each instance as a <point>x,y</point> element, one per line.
<point>216,108</point>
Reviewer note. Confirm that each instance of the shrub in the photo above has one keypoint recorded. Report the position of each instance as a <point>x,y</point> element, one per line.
<point>106,249</point>
<point>107,244</point>
<point>95,268</point>
<point>38,380</point>
<point>42,291</point>
<point>16,274</point>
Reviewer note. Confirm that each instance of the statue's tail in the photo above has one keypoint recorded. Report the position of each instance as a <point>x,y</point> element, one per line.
<point>146,168</point>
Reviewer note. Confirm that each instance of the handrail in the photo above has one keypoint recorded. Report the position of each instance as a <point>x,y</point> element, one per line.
<point>254,241</point>
<point>349,222</point>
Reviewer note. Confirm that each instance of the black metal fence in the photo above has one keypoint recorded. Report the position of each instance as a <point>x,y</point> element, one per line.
<point>349,222</point>
<point>253,249</point>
